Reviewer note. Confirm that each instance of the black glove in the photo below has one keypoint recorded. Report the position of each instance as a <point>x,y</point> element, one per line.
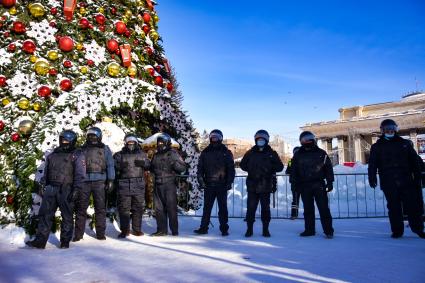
<point>139,163</point>
<point>329,187</point>
<point>109,186</point>
<point>372,184</point>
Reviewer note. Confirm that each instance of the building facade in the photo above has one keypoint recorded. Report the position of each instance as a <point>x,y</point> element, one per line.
<point>349,138</point>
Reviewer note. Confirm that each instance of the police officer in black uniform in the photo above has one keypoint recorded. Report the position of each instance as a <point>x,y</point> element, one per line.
<point>100,177</point>
<point>295,194</point>
<point>216,172</point>
<point>310,167</point>
<point>64,174</point>
<point>262,163</point>
<point>399,169</point>
<point>165,165</point>
<point>130,165</point>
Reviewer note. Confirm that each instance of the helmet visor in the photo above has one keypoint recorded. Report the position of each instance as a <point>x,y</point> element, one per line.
<point>307,139</point>
<point>389,129</point>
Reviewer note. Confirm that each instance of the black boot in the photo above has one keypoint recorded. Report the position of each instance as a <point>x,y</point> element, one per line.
<point>396,235</point>
<point>307,234</point>
<point>123,234</point>
<point>36,244</point>
<point>266,232</point>
<point>158,234</point>
<point>76,239</point>
<point>201,231</point>
<point>64,245</point>
<point>249,230</point>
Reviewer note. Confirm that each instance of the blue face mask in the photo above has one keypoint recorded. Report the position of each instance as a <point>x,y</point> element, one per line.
<point>260,142</point>
<point>389,136</point>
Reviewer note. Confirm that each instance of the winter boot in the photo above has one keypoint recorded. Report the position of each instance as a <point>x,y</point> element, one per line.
<point>396,235</point>
<point>329,235</point>
<point>225,233</point>
<point>158,234</point>
<point>307,234</point>
<point>249,230</point>
<point>123,234</point>
<point>294,212</point>
<point>201,231</point>
<point>76,239</point>
<point>175,233</point>
<point>138,233</point>
<point>100,237</point>
<point>64,245</point>
<point>36,244</point>
<point>266,232</point>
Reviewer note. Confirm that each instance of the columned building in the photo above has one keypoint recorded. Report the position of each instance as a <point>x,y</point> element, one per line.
<point>349,138</point>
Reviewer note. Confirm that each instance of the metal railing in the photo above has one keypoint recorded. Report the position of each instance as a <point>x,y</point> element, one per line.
<point>352,197</point>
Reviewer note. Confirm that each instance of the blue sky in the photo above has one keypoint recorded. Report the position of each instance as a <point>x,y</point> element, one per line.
<point>244,65</point>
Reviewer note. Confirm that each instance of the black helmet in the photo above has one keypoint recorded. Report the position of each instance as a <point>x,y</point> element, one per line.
<point>163,142</point>
<point>262,134</point>
<point>295,150</point>
<point>69,136</point>
<point>307,137</point>
<point>95,131</point>
<point>216,134</point>
<point>388,124</point>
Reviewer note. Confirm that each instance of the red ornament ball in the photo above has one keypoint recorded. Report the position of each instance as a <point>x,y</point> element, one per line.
<point>11,47</point>
<point>100,19</point>
<point>120,27</point>
<point>29,46</point>
<point>67,64</point>
<point>151,71</point>
<point>113,11</point>
<point>8,3</point>
<point>146,17</point>
<point>3,80</point>
<point>9,199</point>
<point>6,34</point>
<point>52,24</point>
<point>66,43</point>
<point>102,28</point>
<point>170,87</point>
<point>2,125</point>
<point>112,45</point>
<point>65,84</point>
<point>84,23</point>
<point>127,33</point>
<point>146,29</point>
<point>159,81</point>
<point>136,42</point>
<point>18,27</point>
<point>149,51</point>
<point>44,91</point>
<point>158,68</point>
<point>53,72</point>
<point>90,63</point>
<point>53,11</point>
<point>15,137</point>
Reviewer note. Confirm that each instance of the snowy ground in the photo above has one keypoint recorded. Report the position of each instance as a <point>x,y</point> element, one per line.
<point>361,251</point>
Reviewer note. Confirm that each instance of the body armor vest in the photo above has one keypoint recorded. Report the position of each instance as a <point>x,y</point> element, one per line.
<point>60,169</point>
<point>95,159</point>
<point>132,171</point>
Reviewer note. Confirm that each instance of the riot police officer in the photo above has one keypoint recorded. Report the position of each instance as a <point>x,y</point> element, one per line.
<point>310,167</point>
<point>399,169</point>
<point>64,174</point>
<point>262,163</point>
<point>130,165</point>
<point>295,194</point>
<point>100,177</point>
<point>216,172</point>
<point>166,164</point>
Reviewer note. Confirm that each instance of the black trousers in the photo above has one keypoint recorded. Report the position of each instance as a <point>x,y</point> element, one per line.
<point>210,194</point>
<point>53,198</point>
<point>407,199</point>
<point>97,188</point>
<point>309,194</point>
<point>295,203</point>
<point>131,207</point>
<point>165,201</point>
<point>252,203</point>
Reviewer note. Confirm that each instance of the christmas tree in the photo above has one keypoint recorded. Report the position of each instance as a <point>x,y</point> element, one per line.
<point>71,65</point>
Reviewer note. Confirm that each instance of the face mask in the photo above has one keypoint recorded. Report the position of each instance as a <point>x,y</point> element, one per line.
<point>131,146</point>
<point>260,142</point>
<point>92,139</point>
<point>308,145</point>
<point>389,136</point>
<point>161,146</point>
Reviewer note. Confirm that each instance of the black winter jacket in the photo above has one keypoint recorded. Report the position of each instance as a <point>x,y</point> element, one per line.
<point>216,168</point>
<point>261,167</point>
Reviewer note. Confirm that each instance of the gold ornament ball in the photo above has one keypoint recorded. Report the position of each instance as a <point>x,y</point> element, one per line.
<point>154,35</point>
<point>5,101</point>
<point>37,10</point>
<point>155,18</point>
<point>132,70</point>
<point>80,37</point>
<point>83,11</point>
<point>101,10</point>
<point>13,11</point>
<point>75,56</point>
<point>84,70</point>
<point>36,106</point>
<point>128,14</point>
<point>114,69</point>
<point>23,104</point>
<point>53,55</point>
<point>79,46</point>
<point>33,59</point>
<point>124,19</point>
<point>140,3</point>
<point>41,67</point>
<point>26,127</point>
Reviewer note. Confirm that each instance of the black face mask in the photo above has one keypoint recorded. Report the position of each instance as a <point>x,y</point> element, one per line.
<point>309,145</point>
<point>161,146</point>
<point>131,146</point>
<point>92,139</point>
<point>66,146</point>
